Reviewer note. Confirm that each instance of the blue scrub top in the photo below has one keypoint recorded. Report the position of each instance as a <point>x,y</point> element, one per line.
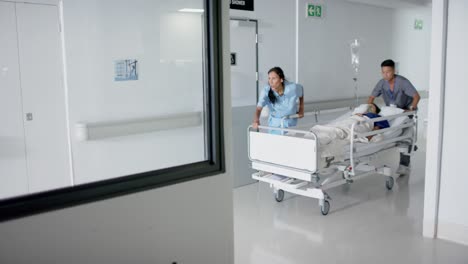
<point>285,104</point>
<point>402,95</point>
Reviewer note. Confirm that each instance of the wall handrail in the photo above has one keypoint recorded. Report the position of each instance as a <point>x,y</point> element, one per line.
<point>124,127</point>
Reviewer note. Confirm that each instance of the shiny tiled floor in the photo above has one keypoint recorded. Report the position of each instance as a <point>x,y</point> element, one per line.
<point>366,224</point>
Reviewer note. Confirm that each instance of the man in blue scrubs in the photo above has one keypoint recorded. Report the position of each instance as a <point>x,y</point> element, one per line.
<point>281,98</point>
<point>396,91</point>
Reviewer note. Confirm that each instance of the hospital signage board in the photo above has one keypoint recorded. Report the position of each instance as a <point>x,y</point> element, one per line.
<point>233,58</point>
<point>247,5</point>
<point>314,10</point>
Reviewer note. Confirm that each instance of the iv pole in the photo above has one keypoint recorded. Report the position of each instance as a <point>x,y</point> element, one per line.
<point>354,46</point>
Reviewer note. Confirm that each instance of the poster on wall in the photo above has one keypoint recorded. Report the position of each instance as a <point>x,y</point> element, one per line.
<point>126,70</point>
<point>247,5</point>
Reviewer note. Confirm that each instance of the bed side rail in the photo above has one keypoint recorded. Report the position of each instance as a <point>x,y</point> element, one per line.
<point>408,124</point>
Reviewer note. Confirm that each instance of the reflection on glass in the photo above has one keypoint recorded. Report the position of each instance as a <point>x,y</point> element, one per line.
<point>131,85</point>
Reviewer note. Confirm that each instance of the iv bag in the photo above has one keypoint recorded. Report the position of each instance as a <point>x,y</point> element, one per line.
<point>355,46</point>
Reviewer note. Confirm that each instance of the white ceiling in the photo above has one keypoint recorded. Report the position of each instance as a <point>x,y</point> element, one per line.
<point>397,4</point>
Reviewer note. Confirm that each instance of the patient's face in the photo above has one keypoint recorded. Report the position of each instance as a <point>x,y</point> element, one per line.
<point>372,109</point>
<point>388,73</point>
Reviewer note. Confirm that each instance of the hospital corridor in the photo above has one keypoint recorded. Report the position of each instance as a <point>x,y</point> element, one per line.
<point>282,214</point>
<point>367,224</point>
<point>233,131</point>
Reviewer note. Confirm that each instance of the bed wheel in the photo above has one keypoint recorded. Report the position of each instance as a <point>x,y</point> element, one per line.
<point>389,183</point>
<point>279,196</point>
<point>325,207</point>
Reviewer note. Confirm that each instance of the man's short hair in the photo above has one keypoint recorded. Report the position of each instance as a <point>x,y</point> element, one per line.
<point>388,63</point>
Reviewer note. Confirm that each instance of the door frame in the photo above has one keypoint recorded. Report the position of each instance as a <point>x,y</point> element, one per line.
<point>239,181</point>
<point>256,46</point>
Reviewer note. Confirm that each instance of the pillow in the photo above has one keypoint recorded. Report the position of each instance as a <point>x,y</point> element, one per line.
<point>388,110</point>
<point>361,109</point>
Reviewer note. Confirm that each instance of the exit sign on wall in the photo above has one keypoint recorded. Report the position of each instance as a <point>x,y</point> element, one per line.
<point>314,10</point>
<point>418,24</point>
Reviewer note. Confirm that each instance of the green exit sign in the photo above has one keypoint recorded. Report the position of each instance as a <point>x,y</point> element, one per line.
<point>314,10</point>
<point>418,24</point>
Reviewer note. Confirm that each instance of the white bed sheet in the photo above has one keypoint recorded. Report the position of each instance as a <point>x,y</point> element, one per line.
<point>339,150</point>
<point>386,135</point>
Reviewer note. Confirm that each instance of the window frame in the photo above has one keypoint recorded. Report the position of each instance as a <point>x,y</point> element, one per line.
<point>26,205</point>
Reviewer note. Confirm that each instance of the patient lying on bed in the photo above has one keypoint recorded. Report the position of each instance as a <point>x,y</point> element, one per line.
<point>373,112</point>
<point>341,129</point>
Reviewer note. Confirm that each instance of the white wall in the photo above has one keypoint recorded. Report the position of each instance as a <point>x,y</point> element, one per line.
<point>324,52</point>
<point>13,166</point>
<point>189,222</point>
<point>411,48</point>
<point>453,209</point>
<point>324,59</point>
<point>46,2</point>
<point>168,47</point>
<point>435,118</point>
<point>276,30</point>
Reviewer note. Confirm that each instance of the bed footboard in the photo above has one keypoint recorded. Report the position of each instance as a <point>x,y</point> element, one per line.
<point>292,153</point>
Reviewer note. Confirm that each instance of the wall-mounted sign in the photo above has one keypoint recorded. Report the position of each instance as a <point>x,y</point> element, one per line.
<point>233,58</point>
<point>247,5</point>
<point>126,70</point>
<point>418,24</point>
<point>314,10</point>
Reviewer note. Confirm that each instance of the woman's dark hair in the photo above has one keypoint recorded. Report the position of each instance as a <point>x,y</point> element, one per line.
<point>280,73</point>
<point>377,109</point>
<point>388,63</point>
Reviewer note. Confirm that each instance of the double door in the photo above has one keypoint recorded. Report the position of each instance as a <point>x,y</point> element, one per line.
<point>34,141</point>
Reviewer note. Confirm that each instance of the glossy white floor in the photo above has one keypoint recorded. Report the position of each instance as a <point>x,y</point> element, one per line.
<point>366,224</point>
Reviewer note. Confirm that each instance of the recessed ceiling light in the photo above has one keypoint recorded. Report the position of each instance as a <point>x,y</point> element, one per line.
<point>191,10</point>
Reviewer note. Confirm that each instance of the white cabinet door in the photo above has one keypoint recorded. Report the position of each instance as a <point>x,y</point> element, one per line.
<point>13,173</point>
<point>44,109</point>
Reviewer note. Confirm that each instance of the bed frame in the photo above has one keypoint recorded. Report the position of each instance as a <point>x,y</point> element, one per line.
<point>289,160</point>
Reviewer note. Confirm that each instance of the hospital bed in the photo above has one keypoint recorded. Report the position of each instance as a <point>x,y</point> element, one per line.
<point>292,160</point>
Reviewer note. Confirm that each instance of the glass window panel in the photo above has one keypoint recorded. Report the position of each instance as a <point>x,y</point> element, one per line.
<point>117,89</point>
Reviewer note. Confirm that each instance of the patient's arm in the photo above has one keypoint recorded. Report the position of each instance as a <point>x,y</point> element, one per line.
<point>375,128</point>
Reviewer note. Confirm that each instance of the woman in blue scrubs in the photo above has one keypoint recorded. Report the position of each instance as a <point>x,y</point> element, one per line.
<point>281,97</point>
